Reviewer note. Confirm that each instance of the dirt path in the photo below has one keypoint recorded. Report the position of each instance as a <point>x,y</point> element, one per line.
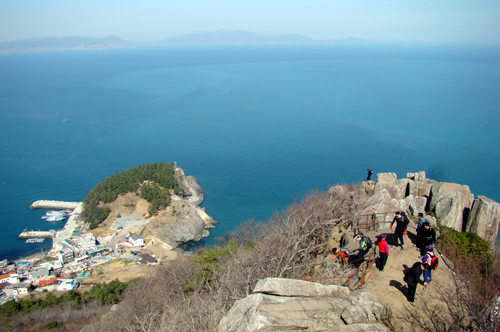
<point>390,287</point>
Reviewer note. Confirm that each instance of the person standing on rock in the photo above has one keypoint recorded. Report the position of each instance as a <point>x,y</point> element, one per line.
<point>370,172</point>
<point>412,279</point>
<point>401,224</point>
<point>383,249</point>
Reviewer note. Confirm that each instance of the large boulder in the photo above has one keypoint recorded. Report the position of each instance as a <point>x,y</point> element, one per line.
<point>388,181</point>
<point>420,188</point>
<point>484,219</point>
<point>415,205</point>
<point>301,305</point>
<point>380,209</point>
<point>294,287</point>
<point>450,202</point>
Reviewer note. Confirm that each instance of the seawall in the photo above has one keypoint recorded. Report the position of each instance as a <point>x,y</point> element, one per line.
<point>59,205</point>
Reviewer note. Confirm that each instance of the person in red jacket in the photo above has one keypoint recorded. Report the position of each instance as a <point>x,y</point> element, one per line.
<point>383,249</point>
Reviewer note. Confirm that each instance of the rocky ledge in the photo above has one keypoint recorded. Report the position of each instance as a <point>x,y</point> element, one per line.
<point>184,221</point>
<point>452,203</point>
<point>289,304</point>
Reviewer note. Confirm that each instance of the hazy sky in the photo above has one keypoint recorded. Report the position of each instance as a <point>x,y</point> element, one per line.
<point>146,20</point>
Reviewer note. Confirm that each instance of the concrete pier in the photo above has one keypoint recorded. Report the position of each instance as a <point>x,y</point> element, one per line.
<point>36,235</point>
<point>57,205</point>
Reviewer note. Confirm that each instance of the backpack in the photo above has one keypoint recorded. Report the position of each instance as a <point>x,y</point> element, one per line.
<point>434,262</point>
<point>368,242</point>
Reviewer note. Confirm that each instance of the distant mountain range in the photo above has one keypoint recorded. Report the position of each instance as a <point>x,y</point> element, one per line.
<point>62,43</point>
<point>234,37</point>
<point>208,38</point>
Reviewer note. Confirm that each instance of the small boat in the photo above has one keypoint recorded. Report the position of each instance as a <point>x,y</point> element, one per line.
<point>56,218</point>
<point>56,213</point>
<point>34,240</point>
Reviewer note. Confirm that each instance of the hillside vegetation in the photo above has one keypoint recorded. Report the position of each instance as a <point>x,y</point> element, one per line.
<point>158,179</point>
<point>194,294</point>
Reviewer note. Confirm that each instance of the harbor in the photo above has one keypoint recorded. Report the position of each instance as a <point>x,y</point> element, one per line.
<point>68,210</point>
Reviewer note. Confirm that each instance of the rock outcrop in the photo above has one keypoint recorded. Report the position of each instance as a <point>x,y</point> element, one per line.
<point>484,219</point>
<point>185,221</point>
<point>451,202</point>
<point>288,304</point>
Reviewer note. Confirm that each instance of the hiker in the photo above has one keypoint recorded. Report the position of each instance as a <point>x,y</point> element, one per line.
<point>421,220</point>
<point>370,172</point>
<point>428,237</point>
<point>383,249</point>
<point>401,223</point>
<point>412,278</point>
<point>430,259</point>
<point>350,203</point>
<point>343,253</point>
<point>365,243</point>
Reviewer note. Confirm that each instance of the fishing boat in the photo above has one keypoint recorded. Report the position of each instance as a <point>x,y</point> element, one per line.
<point>56,218</point>
<point>56,213</point>
<point>34,240</point>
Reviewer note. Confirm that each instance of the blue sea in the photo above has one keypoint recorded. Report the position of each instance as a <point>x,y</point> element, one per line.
<point>258,125</point>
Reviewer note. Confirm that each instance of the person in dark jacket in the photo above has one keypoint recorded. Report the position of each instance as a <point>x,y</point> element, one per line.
<point>421,221</point>
<point>370,172</point>
<point>428,235</point>
<point>401,223</point>
<point>412,278</point>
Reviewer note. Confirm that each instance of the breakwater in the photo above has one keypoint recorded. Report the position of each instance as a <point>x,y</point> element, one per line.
<point>36,235</point>
<point>54,205</point>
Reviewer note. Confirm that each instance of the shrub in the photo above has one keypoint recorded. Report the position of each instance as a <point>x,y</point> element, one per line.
<point>52,325</point>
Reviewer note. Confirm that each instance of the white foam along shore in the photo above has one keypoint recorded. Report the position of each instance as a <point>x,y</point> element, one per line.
<point>54,205</point>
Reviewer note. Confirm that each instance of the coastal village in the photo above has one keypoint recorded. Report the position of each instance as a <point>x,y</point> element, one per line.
<point>116,250</point>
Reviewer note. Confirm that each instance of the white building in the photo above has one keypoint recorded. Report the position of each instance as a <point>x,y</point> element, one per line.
<point>11,278</point>
<point>66,284</point>
<point>65,255</point>
<point>136,240</point>
<point>86,242</point>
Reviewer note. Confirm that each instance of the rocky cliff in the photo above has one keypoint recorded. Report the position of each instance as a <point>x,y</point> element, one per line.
<point>184,221</point>
<point>452,203</point>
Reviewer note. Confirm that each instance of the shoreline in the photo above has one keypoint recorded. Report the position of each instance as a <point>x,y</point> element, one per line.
<point>61,234</point>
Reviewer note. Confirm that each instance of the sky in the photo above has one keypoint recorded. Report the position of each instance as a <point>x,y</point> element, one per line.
<point>149,20</point>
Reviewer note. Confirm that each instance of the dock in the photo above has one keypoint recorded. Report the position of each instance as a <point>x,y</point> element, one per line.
<point>36,235</point>
<point>56,205</point>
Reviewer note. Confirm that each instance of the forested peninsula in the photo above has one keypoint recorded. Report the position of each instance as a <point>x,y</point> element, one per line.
<point>150,181</point>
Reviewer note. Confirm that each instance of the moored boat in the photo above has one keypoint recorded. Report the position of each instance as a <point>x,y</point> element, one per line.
<point>56,218</point>
<point>34,240</point>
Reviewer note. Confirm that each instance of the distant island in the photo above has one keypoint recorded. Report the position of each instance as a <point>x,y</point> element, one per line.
<point>44,44</point>
<point>218,37</point>
<point>235,37</point>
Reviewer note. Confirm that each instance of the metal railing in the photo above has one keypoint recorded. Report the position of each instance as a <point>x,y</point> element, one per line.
<point>366,267</point>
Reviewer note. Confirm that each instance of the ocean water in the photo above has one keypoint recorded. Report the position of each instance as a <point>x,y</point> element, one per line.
<point>258,125</point>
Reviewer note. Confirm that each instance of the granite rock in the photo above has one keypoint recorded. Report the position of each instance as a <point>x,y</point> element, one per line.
<point>321,312</point>
<point>484,219</point>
